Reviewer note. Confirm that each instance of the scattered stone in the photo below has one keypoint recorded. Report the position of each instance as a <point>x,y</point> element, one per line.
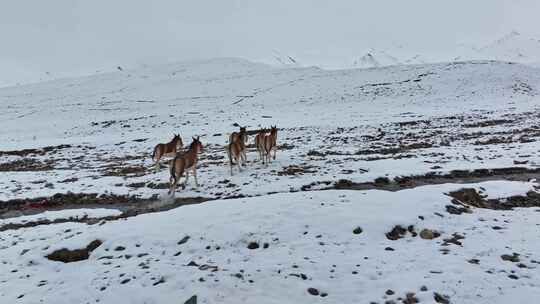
<point>313,291</point>
<point>253,245</point>
<point>428,234</point>
<point>457,210</point>
<point>183,240</point>
<point>453,240</point>
<point>389,292</point>
<point>192,300</point>
<point>512,258</point>
<point>120,248</point>
<point>443,299</point>
<point>396,233</point>
<point>299,275</point>
<point>513,277</point>
<point>410,298</point>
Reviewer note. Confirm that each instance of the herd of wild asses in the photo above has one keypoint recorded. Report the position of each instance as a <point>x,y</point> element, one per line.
<point>183,161</point>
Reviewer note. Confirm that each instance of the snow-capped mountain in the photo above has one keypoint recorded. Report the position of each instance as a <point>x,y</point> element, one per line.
<point>284,60</point>
<point>378,58</point>
<point>512,47</point>
<point>375,58</point>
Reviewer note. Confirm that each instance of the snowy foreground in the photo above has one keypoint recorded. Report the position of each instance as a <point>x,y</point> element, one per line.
<point>305,240</point>
<point>276,233</point>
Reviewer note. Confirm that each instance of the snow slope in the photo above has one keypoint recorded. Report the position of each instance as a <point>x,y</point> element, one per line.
<point>230,90</point>
<point>114,120</point>
<point>357,125</point>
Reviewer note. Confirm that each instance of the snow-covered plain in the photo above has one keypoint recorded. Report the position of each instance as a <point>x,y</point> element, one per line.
<point>95,135</point>
<point>466,115</point>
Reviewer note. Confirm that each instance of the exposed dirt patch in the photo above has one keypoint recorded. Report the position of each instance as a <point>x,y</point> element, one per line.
<point>38,151</point>
<point>131,205</point>
<point>126,171</point>
<point>470,197</point>
<point>27,164</point>
<point>68,256</point>
<point>297,170</point>
<point>435,178</point>
<point>487,123</point>
<point>67,199</point>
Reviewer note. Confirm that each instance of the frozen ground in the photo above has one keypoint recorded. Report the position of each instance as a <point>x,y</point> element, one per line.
<point>346,128</point>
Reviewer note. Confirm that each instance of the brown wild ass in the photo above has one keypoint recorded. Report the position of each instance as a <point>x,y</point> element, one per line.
<point>241,136</point>
<point>182,163</point>
<point>168,149</point>
<point>237,149</point>
<point>265,143</point>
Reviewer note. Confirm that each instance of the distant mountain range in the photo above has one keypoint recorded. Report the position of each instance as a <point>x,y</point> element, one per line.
<point>513,47</point>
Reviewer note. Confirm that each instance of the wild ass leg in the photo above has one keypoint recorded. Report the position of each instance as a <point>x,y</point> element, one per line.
<point>239,161</point>
<point>172,188</point>
<point>157,165</point>
<point>244,157</point>
<point>195,176</point>
<point>268,156</point>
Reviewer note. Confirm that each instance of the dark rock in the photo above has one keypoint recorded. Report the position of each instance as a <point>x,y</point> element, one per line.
<point>192,300</point>
<point>453,240</point>
<point>428,234</point>
<point>443,299</point>
<point>253,245</point>
<point>512,258</point>
<point>396,233</point>
<point>410,298</point>
<point>313,291</point>
<point>183,240</point>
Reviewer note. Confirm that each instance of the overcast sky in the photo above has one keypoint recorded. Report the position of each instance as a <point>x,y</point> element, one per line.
<point>70,37</point>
